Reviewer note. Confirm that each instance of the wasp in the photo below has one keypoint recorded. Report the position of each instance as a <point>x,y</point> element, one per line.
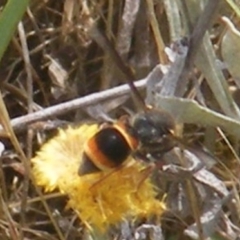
<point>146,136</point>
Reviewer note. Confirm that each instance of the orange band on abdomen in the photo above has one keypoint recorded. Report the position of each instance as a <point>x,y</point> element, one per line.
<point>96,156</point>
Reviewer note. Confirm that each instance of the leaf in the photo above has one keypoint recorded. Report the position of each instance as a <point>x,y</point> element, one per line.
<point>230,49</point>
<point>9,18</point>
<point>209,219</point>
<point>189,111</point>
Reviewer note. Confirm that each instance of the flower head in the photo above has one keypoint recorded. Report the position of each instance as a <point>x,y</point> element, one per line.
<point>100,199</point>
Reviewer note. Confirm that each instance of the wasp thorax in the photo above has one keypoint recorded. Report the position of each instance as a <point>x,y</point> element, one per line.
<point>155,130</point>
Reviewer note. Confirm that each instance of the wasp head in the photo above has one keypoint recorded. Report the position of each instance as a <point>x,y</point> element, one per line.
<point>155,130</point>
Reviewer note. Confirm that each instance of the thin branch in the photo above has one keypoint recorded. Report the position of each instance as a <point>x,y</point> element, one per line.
<point>201,26</point>
<point>104,42</point>
<point>62,108</point>
<point>26,59</point>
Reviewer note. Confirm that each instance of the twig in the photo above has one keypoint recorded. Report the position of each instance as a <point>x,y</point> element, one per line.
<point>199,30</point>
<point>26,59</point>
<point>62,108</point>
<point>102,40</point>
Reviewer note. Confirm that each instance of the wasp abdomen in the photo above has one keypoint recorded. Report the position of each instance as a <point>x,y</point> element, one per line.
<point>107,149</point>
<point>113,145</point>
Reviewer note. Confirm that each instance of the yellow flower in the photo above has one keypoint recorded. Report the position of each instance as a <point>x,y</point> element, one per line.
<point>100,199</point>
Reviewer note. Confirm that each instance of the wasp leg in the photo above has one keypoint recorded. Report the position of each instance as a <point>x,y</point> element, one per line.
<point>145,174</point>
<point>106,176</point>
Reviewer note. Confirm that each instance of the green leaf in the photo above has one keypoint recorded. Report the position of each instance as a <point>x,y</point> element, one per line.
<point>9,18</point>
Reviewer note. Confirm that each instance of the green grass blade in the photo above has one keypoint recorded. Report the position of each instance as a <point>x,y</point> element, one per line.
<point>9,18</point>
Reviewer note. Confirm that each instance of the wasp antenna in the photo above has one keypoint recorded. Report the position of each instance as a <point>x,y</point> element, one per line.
<point>140,103</point>
<point>103,41</point>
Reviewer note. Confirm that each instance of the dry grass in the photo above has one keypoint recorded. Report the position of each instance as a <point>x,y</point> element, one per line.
<point>67,49</point>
